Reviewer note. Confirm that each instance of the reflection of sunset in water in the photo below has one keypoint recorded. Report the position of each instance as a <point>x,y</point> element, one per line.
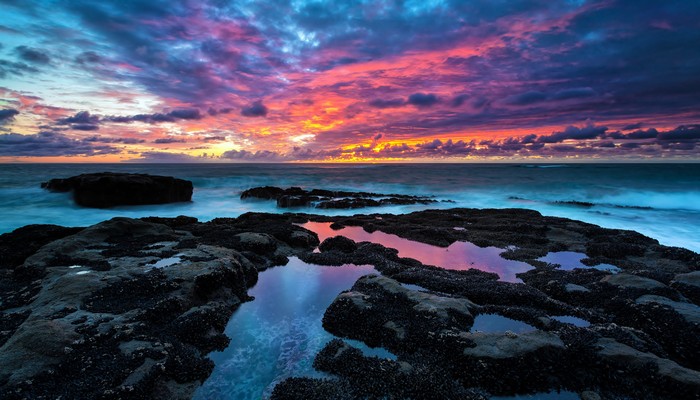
<point>458,256</point>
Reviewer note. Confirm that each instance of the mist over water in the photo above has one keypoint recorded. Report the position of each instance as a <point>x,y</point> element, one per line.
<point>658,200</point>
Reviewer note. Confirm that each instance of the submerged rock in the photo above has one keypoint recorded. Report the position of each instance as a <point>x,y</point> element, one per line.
<point>109,189</point>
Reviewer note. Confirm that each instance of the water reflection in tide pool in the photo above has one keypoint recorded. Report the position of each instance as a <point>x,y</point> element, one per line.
<point>570,319</point>
<point>494,323</point>
<point>570,260</point>
<point>458,256</point>
<point>278,334</point>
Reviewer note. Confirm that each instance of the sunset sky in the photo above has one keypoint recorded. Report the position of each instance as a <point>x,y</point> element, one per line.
<point>274,81</point>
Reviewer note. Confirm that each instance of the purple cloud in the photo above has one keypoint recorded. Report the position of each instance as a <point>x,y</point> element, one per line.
<point>257,109</point>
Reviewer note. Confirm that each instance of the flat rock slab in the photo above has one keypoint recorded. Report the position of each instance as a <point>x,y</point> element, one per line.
<point>108,189</point>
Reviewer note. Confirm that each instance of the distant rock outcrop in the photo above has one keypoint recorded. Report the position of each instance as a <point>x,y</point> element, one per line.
<point>327,199</point>
<point>108,189</point>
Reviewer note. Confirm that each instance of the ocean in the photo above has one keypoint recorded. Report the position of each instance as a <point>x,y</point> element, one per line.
<point>659,200</point>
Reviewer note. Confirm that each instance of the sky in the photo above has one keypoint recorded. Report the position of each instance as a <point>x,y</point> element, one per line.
<point>347,81</point>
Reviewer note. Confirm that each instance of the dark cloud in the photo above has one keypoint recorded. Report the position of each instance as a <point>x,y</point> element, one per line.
<point>629,145</point>
<point>681,133</point>
<point>212,111</point>
<point>32,55</point>
<point>528,138</point>
<point>185,113</point>
<point>15,68</point>
<point>642,134</point>
<point>422,99</point>
<point>459,100</point>
<point>214,138</point>
<point>85,127</point>
<point>81,121</point>
<point>169,140</point>
<point>88,57</point>
<point>122,140</point>
<point>46,144</point>
<point>172,116</point>
<point>526,98</point>
<point>82,117</point>
<point>165,157</point>
<point>388,103</point>
<point>575,133</point>
<point>7,115</point>
<point>574,93</point>
<point>632,127</point>
<point>245,155</point>
<point>608,145</point>
<point>257,109</point>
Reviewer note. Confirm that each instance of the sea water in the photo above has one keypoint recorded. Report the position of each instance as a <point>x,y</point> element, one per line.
<point>659,200</point>
<point>277,335</point>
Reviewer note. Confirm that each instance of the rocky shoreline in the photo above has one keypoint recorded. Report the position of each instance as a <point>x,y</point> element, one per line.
<point>130,308</point>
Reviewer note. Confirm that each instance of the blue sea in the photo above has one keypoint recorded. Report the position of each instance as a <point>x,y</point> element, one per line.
<point>659,200</point>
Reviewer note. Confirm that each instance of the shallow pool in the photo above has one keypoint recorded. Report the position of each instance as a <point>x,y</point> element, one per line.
<point>458,256</point>
<point>278,334</point>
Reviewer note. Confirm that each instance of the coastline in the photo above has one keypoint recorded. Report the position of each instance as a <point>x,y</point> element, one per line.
<point>143,330</point>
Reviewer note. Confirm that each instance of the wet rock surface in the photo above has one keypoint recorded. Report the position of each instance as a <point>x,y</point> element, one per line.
<point>642,341</point>
<point>109,189</point>
<point>130,308</point>
<point>327,199</point>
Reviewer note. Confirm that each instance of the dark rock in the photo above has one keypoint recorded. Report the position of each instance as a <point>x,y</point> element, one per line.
<point>339,243</point>
<point>19,244</point>
<point>312,389</point>
<point>107,189</point>
<point>327,199</point>
<point>286,201</point>
<point>265,192</point>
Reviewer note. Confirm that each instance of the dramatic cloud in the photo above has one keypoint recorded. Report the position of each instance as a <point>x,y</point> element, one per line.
<point>83,117</point>
<point>165,157</point>
<point>7,115</point>
<point>526,98</point>
<point>442,79</point>
<point>15,68</point>
<point>682,133</point>
<point>125,140</point>
<point>88,57</point>
<point>31,55</point>
<point>169,140</point>
<point>389,103</point>
<point>244,155</point>
<point>45,144</point>
<point>575,133</point>
<point>459,100</point>
<point>574,93</point>
<point>172,116</point>
<point>256,109</point>
<point>422,99</point>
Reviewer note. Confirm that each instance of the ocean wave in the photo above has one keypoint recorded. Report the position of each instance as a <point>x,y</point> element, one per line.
<point>689,201</point>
